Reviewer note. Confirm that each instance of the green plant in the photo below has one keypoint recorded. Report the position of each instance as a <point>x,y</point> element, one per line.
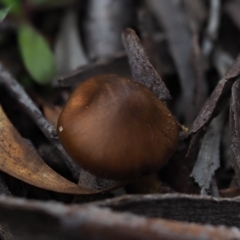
<point>34,48</point>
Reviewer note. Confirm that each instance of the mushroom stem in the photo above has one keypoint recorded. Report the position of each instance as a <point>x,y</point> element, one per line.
<point>90,181</point>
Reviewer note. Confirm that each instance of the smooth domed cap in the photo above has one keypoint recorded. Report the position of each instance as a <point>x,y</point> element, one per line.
<point>116,128</point>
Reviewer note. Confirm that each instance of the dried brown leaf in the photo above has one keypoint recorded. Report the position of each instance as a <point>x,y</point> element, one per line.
<point>142,70</point>
<point>59,222</point>
<point>218,99</point>
<point>208,160</point>
<point>19,160</point>
<point>15,89</point>
<point>235,128</point>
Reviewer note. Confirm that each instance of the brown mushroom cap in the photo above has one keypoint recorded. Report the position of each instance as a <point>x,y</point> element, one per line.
<point>116,128</point>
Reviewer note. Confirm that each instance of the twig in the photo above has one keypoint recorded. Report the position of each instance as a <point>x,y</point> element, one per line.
<point>18,93</point>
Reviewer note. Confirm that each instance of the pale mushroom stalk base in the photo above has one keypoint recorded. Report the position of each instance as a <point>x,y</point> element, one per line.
<point>90,181</point>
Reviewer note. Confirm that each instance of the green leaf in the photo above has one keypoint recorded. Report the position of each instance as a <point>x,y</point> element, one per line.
<point>3,13</point>
<point>37,55</point>
<point>14,5</point>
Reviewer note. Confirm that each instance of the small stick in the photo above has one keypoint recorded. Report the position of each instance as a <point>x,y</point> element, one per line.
<point>19,94</point>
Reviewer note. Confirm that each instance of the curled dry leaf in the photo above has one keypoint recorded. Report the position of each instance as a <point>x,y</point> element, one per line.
<point>19,160</point>
<point>208,160</point>
<point>235,128</point>
<point>217,100</point>
<point>142,70</point>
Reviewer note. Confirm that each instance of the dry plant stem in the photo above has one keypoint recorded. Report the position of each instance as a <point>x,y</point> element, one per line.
<point>92,182</point>
<point>16,90</point>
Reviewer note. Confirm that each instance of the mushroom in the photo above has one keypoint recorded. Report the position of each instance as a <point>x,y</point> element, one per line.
<point>116,128</point>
